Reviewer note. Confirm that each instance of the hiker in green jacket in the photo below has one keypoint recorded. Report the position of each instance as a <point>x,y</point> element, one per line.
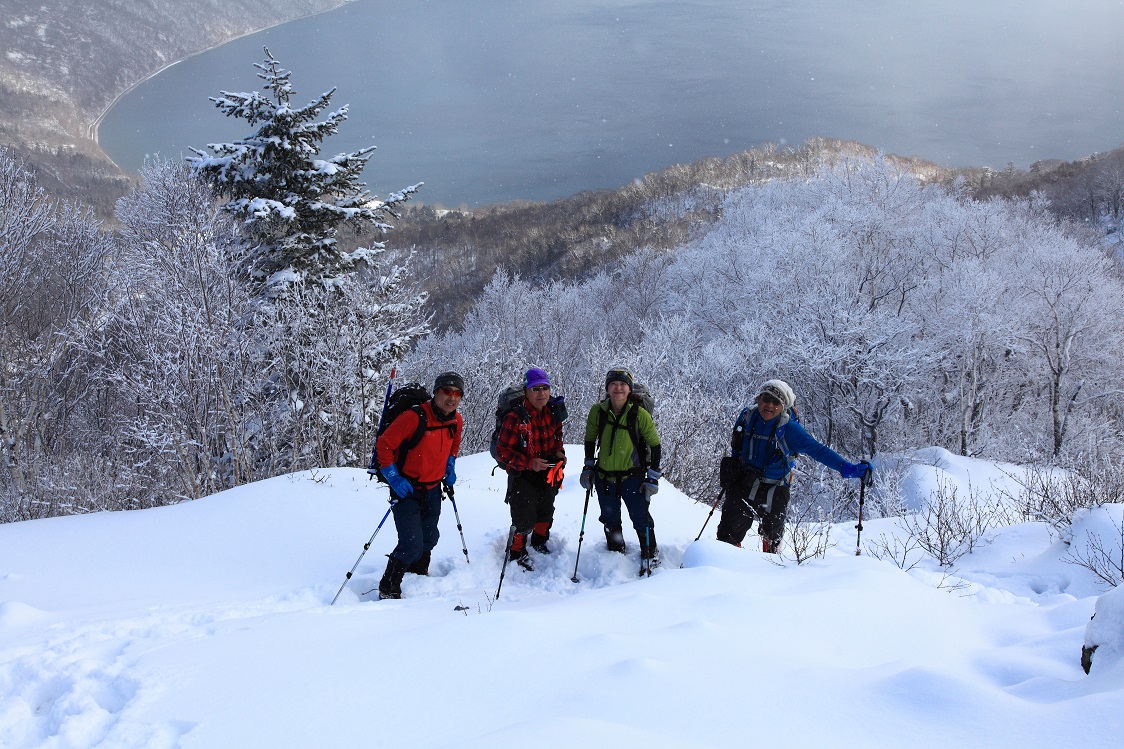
<point>622,460</point>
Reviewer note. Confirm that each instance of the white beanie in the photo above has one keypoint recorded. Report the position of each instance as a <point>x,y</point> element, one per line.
<point>780,390</point>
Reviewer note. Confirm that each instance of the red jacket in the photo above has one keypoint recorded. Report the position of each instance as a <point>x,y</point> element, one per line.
<point>425,465</point>
<point>518,442</point>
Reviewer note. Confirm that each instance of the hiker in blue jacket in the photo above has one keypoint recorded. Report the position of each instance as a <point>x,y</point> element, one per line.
<point>764,444</point>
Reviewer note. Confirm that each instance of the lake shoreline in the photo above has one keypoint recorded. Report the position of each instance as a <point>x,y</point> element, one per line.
<point>92,129</point>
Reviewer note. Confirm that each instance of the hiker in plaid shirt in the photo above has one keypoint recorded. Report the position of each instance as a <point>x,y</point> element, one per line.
<point>529,445</point>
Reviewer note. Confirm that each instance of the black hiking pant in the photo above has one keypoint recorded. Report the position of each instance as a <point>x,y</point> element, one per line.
<point>531,500</point>
<point>739,511</point>
<point>415,519</point>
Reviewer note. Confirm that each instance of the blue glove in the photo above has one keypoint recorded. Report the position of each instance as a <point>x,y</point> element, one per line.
<point>398,485</point>
<point>651,483</point>
<point>450,473</point>
<point>586,478</point>
<point>855,470</point>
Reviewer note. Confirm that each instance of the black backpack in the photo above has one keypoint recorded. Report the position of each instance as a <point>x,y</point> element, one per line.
<point>640,397</point>
<point>511,400</point>
<point>410,396</point>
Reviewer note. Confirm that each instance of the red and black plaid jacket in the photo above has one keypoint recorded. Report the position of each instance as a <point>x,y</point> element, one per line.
<point>518,441</point>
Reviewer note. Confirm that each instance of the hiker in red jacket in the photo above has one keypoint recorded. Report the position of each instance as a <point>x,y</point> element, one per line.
<point>415,476</point>
<point>529,446</point>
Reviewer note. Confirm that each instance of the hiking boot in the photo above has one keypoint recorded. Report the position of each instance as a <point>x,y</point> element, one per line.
<point>522,558</point>
<point>614,539</point>
<point>391,584</point>
<point>539,537</point>
<point>420,566</point>
<point>769,546</point>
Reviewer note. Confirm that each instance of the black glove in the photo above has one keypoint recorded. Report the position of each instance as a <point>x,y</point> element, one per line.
<point>586,478</point>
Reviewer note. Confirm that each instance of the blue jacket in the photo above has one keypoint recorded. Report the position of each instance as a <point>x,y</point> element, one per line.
<point>771,446</point>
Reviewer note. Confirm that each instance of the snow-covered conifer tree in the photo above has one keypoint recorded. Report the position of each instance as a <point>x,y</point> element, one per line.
<point>291,203</point>
<point>333,319</point>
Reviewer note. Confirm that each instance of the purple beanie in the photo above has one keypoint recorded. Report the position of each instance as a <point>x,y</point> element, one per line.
<point>535,376</point>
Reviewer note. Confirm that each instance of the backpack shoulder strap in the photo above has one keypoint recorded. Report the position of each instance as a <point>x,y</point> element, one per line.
<point>745,423</point>
<point>633,428</point>
<point>423,427</point>
<point>630,423</point>
<point>602,420</point>
<point>419,431</point>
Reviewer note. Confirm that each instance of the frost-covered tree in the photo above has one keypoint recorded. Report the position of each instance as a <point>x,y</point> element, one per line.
<point>330,347</point>
<point>904,315</point>
<point>179,354</point>
<point>213,387</point>
<point>52,286</point>
<point>289,201</point>
<point>1071,319</point>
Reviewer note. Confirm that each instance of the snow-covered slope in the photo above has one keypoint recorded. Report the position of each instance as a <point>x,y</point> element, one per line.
<point>207,624</point>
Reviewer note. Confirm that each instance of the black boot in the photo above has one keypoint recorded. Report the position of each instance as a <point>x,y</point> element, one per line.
<point>518,552</point>
<point>420,566</point>
<point>614,539</point>
<point>391,584</point>
<point>539,536</point>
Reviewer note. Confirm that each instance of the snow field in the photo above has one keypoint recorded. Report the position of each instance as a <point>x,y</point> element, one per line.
<point>207,625</point>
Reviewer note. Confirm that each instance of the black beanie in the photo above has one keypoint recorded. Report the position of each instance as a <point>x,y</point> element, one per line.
<point>619,374</point>
<point>450,380</point>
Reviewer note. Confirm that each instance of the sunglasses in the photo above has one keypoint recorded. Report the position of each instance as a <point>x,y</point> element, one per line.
<point>539,388</point>
<point>450,392</point>
<point>766,398</point>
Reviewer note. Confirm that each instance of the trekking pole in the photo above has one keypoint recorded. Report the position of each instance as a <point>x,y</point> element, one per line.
<point>360,559</point>
<point>464,546</point>
<point>646,563</point>
<point>506,556</point>
<point>581,535</point>
<point>712,509</point>
<point>372,469</point>
<point>859,525</point>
